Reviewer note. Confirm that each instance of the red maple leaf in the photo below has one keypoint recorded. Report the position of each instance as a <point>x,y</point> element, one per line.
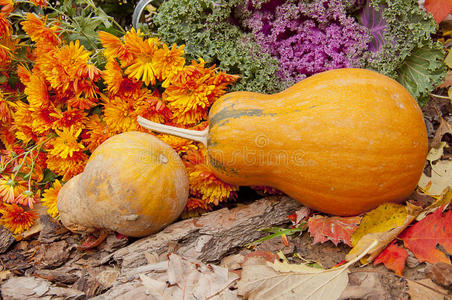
<point>423,237</point>
<point>393,257</point>
<point>438,8</point>
<point>335,229</point>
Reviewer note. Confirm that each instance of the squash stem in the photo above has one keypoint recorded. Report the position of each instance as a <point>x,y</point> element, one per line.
<point>195,135</point>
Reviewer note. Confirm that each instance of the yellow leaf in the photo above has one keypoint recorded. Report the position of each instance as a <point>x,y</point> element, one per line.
<point>383,225</point>
<point>381,219</point>
<point>449,93</point>
<point>448,59</point>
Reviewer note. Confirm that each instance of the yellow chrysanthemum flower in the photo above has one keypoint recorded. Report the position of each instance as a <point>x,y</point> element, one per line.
<point>66,143</point>
<point>143,66</point>
<point>49,199</point>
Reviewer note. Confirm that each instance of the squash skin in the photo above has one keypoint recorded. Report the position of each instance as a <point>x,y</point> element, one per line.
<point>133,183</point>
<point>341,142</point>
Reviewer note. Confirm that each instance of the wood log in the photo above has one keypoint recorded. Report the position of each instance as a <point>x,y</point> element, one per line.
<point>211,236</point>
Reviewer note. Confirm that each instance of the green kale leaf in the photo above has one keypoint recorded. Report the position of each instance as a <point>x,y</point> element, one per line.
<point>422,71</point>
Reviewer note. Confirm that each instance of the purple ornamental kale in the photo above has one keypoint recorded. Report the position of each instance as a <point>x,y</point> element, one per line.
<point>306,38</point>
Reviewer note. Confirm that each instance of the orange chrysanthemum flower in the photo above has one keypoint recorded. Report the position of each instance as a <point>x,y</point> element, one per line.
<point>142,67</point>
<point>5,110</point>
<point>89,71</point>
<point>42,119</point>
<point>7,6</point>
<point>37,161</point>
<point>16,219</point>
<point>5,26</point>
<point>67,167</point>
<point>82,102</point>
<point>28,198</point>
<point>181,145</point>
<point>96,133</point>
<point>168,62</point>
<point>45,37</point>
<point>221,81</point>
<point>39,2</point>
<point>66,143</point>
<point>188,95</point>
<point>114,48</point>
<point>7,47</point>
<point>121,112</point>
<point>7,136</point>
<point>197,204</point>
<point>70,118</point>
<point>36,91</point>
<point>22,123</point>
<point>206,184</point>
<point>62,68</point>
<point>49,198</point>
<point>24,74</point>
<point>10,188</point>
<point>117,83</point>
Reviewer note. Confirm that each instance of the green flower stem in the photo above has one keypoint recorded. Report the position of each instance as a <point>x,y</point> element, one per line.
<point>441,97</point>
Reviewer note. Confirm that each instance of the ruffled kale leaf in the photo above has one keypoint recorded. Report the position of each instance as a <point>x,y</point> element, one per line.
<point>423,70</point>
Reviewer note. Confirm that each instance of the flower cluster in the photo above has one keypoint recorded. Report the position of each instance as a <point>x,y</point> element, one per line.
<point>64,106</point>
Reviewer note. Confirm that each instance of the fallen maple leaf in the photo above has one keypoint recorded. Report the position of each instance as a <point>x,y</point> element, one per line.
<point>393,257</point>
<point>423,237</point>
<point>335,229</point>
<point>438,8</point>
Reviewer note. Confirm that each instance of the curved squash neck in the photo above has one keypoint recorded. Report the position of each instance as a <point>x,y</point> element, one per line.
<point>195,135</point>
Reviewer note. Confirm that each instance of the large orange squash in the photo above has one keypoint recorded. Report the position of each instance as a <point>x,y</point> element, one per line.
<point>133,184</point>
<point>341,142</point>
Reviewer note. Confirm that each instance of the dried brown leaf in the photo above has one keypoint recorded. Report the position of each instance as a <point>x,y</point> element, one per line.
<point>425,289</point>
